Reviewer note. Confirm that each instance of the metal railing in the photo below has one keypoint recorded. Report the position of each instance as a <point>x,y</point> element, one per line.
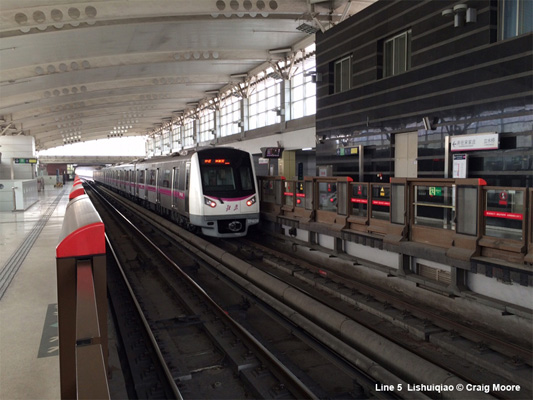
<point>463,215</point>
<point>91,375</point>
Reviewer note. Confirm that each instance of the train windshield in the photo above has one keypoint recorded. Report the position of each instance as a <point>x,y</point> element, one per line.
<point>228,176</point>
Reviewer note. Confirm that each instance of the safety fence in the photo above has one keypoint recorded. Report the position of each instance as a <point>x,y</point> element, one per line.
<point>464,215</point>
<point>82,302</point>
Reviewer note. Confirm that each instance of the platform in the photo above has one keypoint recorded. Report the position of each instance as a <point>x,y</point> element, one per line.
<point>28,298</point>
<point>29,355</point>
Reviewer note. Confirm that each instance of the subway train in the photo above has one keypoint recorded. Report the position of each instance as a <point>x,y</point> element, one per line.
<point>212,191</point>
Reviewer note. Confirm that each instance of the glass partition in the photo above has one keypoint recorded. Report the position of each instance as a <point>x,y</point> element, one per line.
<point>288,193</point>
<point>300,194</point>
<point>268,191</point>
<point>380,201</point>
<point>434,206</point>
<point>359,200</point>
<point>504,213</point>
<point>327,196</point>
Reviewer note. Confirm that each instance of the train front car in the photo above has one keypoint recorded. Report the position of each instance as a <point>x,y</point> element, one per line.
<point>226,202</point>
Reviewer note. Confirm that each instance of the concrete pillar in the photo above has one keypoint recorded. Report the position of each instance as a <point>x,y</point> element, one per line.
<point>287,165</point>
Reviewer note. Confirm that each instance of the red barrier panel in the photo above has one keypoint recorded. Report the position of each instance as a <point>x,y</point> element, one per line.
<point>82,239</point>
<point>77,190</point>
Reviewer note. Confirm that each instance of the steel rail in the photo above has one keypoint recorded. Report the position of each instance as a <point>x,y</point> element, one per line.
<point>300,390</point>
<point>445,322</point>
<point>168,373</point>
<point>227,259</point>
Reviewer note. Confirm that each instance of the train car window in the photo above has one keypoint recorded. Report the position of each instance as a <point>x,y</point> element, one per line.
<point>229,175</point>
<point>246,178</point>
<point>151,179</point>
<point>141,176</point>
<point>166,178</point>
<point>218,178</point>
<point>187,173</point>
<point>176,178</point>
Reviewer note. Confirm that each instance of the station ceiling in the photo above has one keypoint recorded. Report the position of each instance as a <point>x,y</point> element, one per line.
<point>82,70</point>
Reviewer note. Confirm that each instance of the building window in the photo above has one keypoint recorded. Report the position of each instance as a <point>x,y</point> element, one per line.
<point>303,87</point>
<point>515,18</point>
<point>207,125</point>
<point>167,140</point>
<point>230,116</point>
<point>342,74</point>
<point>397,54</point>
<point>189,140</point>
<point>264,101</point>
<point>176,137</point>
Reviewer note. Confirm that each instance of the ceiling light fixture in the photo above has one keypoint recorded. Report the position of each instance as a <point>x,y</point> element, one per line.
<point>282,50</point>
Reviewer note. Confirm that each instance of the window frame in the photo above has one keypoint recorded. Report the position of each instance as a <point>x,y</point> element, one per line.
<point>303,89</point>
<point>391,69</point>
<point>518,18</point>
<point>339,85</point>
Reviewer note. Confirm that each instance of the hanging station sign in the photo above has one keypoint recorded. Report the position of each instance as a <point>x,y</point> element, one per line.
<point>272,152</point>
<point>347,151</point>
<point>479,141</point>
<point>25,160</point>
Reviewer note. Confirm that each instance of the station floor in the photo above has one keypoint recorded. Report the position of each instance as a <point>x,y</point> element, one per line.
<point>29,348</point>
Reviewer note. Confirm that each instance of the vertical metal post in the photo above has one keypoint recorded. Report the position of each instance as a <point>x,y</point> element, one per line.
<point>361,163</point>
<point>447,156</point>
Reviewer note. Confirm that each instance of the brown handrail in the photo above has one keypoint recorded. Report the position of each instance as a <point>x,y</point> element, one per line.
<point>91,377</point>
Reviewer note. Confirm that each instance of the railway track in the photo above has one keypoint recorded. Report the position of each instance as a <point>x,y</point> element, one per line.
<point>243,367</point>
<point>474,354</point>
<point>324,362</point>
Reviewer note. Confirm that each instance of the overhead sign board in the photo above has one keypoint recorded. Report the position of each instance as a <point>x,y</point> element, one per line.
<point>273,152</point>
<point>479,141</point>
<point>25,160</point>
<point>347,151</point>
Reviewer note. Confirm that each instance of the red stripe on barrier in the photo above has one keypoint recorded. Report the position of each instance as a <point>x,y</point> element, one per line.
<point>506,215</point>
<point>381,203</point>
<point>362,201</point>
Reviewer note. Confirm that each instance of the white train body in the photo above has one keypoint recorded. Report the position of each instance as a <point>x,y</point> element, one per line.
<point>213,190</point>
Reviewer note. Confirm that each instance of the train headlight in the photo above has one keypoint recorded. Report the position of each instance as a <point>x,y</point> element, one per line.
<point>209,202</point>
<point>251,201</point>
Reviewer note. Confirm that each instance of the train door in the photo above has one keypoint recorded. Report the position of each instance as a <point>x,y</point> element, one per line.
<point>164,188</point>
<point>142,184</point>
<point>136,187</point>
<point>175,187</point>
<point>157,187</point>
<point>187,184</point>
<point>131,189</point>
<point>180,194</point>
<point>151,186</point>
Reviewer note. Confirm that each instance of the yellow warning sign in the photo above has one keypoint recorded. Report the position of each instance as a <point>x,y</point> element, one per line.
<point>382,192</point>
